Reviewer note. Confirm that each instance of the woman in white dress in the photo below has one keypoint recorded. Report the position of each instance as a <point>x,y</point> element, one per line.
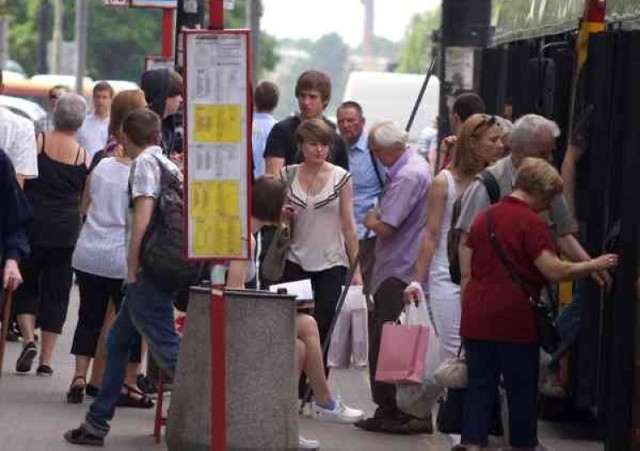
<point>479,145</point>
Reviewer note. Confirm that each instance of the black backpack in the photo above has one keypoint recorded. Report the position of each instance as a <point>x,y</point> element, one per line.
<point>453,239</point>
<point>161,256</point>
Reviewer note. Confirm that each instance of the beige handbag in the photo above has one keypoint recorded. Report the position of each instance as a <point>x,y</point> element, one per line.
<point>453,372</point>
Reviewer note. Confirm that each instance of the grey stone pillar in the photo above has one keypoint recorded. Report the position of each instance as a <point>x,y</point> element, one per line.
<point>261,374</point>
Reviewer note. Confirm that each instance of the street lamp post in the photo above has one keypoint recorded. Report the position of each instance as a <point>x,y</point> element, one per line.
<point>4,33</point>
<point>56,38</point>
<point>254,14</point>
<point>81,41</point>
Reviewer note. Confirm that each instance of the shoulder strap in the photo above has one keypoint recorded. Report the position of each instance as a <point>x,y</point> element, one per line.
<point>376,168</point>
<point>491,184</point>
<point>291,172</point>
<point>41,150</point>
<point>78,155</point>
<point>502,256</point>
<point>451,184</point>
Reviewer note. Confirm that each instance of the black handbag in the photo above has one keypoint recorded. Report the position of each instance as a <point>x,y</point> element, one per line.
<point>451,412</point>
<point>276,257</point>
<point>548,337</point>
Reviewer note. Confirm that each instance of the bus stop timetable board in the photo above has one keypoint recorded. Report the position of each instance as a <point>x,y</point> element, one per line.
<point>217,134</point>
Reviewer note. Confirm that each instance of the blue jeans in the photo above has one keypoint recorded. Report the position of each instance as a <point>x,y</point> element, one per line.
<point>148,310</point>
<point>518,365</point>
<point>568,325</point>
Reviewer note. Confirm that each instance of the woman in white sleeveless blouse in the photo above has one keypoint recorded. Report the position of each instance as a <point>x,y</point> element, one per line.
<point>478,145</point>
<point>324,241</point>
<point>100,259</point>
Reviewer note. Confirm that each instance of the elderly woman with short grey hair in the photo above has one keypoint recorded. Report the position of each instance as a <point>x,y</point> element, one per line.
<point>55,199</point>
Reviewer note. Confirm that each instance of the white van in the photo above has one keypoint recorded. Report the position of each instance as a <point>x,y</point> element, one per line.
<point>391,96</point>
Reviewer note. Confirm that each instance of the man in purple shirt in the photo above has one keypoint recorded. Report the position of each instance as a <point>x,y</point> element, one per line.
<point>399,223</point>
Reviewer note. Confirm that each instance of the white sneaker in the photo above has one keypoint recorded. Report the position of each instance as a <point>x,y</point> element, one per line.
<point>304,443</point>
<point>340,413</point>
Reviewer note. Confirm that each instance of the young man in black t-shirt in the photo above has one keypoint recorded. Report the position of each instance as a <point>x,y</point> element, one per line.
<point>313,91</point>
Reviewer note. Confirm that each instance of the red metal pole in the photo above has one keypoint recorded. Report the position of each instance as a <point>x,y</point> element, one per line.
<point>216,15</point>
<point>167,32</point>
<point>218,313</point>
<point>218,359</point>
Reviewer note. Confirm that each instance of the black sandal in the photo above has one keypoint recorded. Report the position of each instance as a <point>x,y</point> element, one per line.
<point>134,398</point>
<point>80,436</point>
<point>75,395</point>
<point>91,390</point>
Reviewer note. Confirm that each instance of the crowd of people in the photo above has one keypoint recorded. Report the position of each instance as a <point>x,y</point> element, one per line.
<point>78,197</point>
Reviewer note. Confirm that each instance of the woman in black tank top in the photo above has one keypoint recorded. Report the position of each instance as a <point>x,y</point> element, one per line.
<point>55,198</point>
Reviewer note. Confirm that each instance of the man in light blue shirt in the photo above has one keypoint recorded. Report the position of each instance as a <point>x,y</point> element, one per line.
<point>368,180</point>
<point>265,100</point>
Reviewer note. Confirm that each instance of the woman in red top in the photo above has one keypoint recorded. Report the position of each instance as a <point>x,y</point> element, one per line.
<point>498,324</point>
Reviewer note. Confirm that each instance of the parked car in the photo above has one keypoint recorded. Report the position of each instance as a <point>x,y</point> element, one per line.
<point>26,108</point>
<point>14,66</point>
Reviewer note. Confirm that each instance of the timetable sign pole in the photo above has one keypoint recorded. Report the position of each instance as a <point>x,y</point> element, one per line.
<point>217,126</point>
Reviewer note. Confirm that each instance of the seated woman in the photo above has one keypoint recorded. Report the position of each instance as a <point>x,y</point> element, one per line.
<point>498,324</point>
<point>268,200</point>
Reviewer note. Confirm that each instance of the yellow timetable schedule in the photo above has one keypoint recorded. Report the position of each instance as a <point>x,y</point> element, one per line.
<point>215,198</point>
<point>215,218</point>
<point>217,236</point>
<point>217,123</point>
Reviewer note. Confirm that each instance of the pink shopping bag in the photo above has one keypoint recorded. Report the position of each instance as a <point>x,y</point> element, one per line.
<point>402,353</point>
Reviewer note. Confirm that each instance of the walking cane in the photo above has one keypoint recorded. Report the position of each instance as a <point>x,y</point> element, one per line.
<point>6,319</point>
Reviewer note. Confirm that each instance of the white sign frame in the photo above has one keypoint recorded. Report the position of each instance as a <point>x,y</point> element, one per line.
<point>217,137</point>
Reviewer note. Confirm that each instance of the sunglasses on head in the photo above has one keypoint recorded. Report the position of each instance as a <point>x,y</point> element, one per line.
<point>486,121</point>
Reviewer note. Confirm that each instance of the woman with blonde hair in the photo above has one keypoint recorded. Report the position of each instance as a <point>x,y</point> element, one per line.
<point>509,256</point>
<point>123,104</point>
<point>478,146</point>
<point>100,258</point>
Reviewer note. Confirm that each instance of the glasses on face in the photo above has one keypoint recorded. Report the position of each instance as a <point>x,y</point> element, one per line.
<point>486,121</point>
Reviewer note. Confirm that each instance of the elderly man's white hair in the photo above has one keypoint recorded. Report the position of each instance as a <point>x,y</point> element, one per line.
<point>528,128</point>
<point>387,135</point>
<point>505,124</point>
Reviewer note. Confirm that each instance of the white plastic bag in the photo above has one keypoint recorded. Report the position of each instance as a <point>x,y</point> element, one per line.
<point>360,338</point>
<point>355,299</point>
<point>339,354</point>
<point>350,336</point>
<point>413,399</point>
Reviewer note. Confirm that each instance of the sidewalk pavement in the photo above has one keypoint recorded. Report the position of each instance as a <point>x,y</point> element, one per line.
<point>34,414</point>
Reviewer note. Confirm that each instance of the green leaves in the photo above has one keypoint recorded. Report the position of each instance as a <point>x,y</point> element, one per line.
<point>415,54</point>
<point>119,39</point>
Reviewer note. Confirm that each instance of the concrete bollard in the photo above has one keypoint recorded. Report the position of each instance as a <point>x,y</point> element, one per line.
<point>261,371</point>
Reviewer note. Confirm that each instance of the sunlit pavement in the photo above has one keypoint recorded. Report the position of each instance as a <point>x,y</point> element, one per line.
<point>34,415</point>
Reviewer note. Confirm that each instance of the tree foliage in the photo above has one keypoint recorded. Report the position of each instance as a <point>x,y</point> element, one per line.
<point>119,39</point>
<point>415,52</point>
<point>237,18</point>
<point>329,54</point>
<point>382,47</point>
<point>23,36</point>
